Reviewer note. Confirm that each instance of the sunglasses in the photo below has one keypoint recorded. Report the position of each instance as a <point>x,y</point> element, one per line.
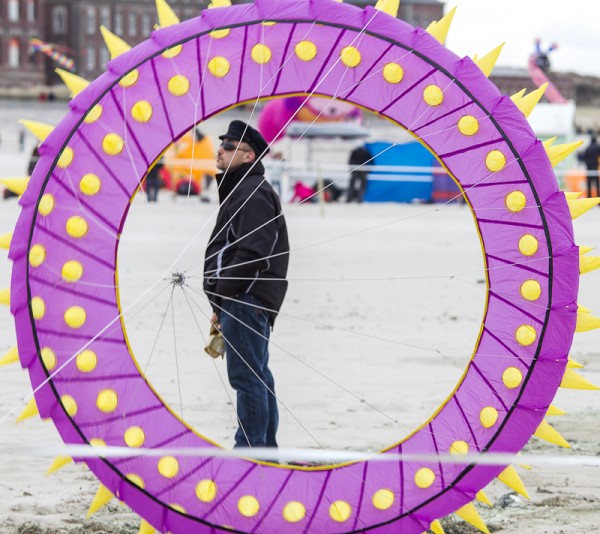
<point>228,146</point>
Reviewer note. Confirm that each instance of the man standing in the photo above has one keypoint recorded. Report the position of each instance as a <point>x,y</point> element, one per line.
<point>591,159</point>
<point>245,266</point>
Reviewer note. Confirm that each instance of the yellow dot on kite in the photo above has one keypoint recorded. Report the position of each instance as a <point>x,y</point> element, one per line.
<point>383,499</point>
<point>340,511</point>
<point>220,34</point>
<point>219,66</point>
<point>488,417</point>
<point>46,206</point>
<point>177,507</point>
<point>129,79</point>
<point>38,308</point>
<point>37,255</point>
<point>516,201</point>
<point>459,447</point>
<point>350,56</point>
<point>69,404</point>
<point>178,85</point>
<point>248,506</point>
<point>94,114</point>
<point>66,158</point>
<point>433,95</point>
<point>424,478</point>
<point>136,479</point>
<point>142,111</point>
<point>528,245</point>
<point>87,361</point>
<point>495,161</point>
<point>75,317</point>
<point>306,50</point>
<point>77,227</point>
<point>72,271</point>
<point>393,73</point>
<point>113,144</point>
<point>512,377</point>
<point>531,290</point>
<point>468,125</point>
<point>172,52</point>
<point>134,437</point>
<point>49,358</point>
<point>168,467</point>
<point>261,54</point>
<point>294,511</point>
<point>97,442</point>
<point>89,185</point>
<point>107,401</point>
<point>525,335</point>
<point>206,490</point>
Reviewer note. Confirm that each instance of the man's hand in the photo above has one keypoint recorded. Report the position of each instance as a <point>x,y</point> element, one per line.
<point>214,319</point>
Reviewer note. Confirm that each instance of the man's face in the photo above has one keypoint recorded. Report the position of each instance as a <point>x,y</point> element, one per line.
<point>232,154</point>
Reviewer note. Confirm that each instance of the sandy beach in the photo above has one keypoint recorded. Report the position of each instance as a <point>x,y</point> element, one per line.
<point>384,307</point>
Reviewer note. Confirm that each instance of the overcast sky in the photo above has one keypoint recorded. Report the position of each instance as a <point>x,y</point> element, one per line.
<point>480,25</point>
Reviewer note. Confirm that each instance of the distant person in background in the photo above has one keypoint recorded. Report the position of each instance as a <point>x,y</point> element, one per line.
<point>33,159</point>
<point>358,176</point>
<point>590,158</point>
<point>153,181</point>
<point>21,140</point>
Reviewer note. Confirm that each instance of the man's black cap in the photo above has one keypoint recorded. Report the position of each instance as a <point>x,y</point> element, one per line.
<point>240,131</point>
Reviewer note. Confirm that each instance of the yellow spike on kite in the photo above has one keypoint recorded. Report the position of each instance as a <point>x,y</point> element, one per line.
<point>16,185</point>
<point>470,515</point>
<point>586,321</point>
<point>102,498</point>
<point>572,364</point>
<point>518,96</point>
<point>219,3</point>
<point>5,240</point>
<point>572,380</point>
<point>488,62</point>
<point>436,527</point>
<point>511,478</point>
<point>30,410</point>
<point>553,410</point>
<point>439,29</point>
<point>116,46</point>
<point>482,497</point>
<point>528,102</point>
<point>551,435</point>
<point>12,356</point>
<point>5,296</point>
<point>579,206</point>
<point>166,15</point>
<point>74,83</point>
<point>390,7</point>
<point>40,129</point>
<point>571,195</point>
<point>559,152</point>
<point>146,528</point>
<point>585,250</point>
<point>588,264</point>
<point>547,144</point>
<point>58,463</point>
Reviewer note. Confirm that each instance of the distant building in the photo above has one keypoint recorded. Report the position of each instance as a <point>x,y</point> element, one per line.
<point>20,20</point>
<point>72,27</point>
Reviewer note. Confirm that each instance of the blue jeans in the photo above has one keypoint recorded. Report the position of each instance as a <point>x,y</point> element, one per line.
<point>248,369</point>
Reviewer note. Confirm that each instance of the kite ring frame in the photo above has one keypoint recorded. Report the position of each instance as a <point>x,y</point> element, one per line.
<point>91,166</point>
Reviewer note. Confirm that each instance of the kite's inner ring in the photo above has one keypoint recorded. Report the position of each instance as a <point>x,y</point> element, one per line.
<point>91,167</point>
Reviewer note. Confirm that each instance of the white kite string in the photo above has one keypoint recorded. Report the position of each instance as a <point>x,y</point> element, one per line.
<point>327,458</point>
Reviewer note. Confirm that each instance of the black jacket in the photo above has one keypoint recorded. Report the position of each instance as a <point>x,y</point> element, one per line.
<point>249,244</point>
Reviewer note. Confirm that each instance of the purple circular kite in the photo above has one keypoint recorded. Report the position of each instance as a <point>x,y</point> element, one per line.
<point>63,295</point>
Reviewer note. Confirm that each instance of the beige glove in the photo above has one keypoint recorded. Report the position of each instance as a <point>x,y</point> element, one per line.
<point>216,343</point>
